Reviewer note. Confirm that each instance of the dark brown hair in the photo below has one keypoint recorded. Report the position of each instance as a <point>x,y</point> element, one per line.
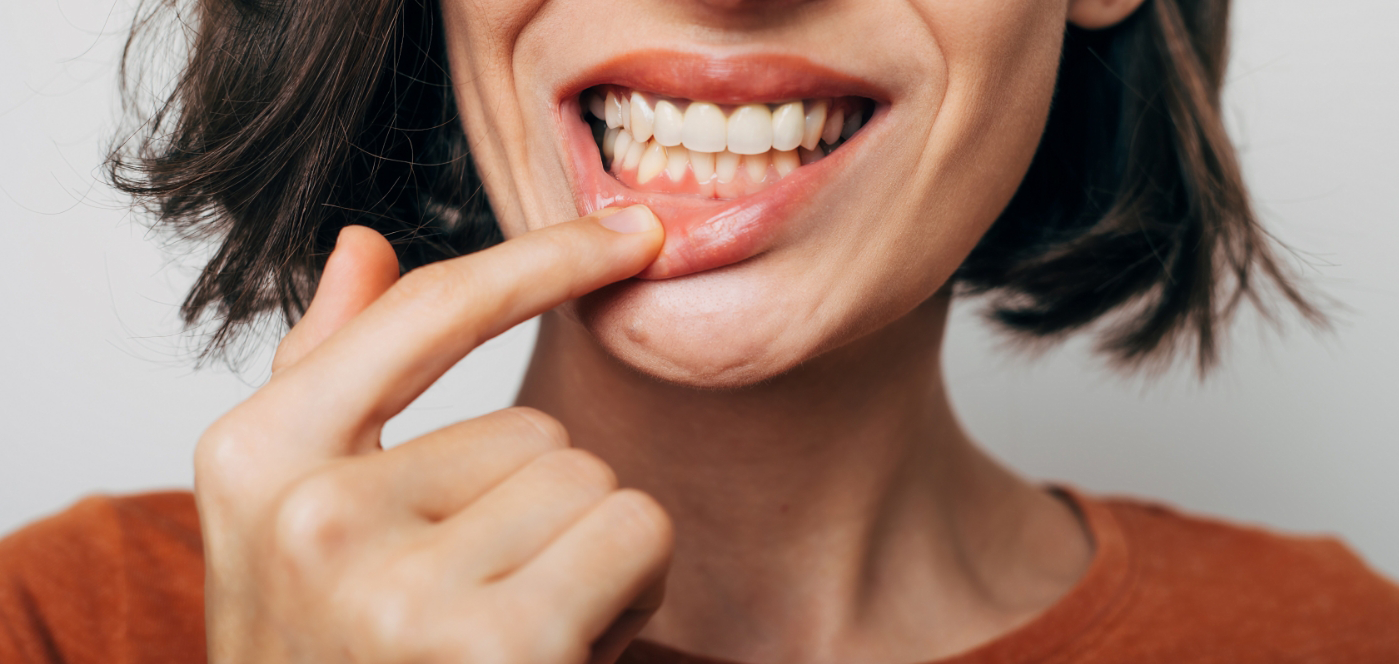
<point>291,120</point>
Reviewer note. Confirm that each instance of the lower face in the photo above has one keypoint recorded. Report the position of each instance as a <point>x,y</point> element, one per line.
<point>821,168</point>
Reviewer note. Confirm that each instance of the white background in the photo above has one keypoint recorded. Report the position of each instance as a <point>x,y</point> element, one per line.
<point>1299,432</point>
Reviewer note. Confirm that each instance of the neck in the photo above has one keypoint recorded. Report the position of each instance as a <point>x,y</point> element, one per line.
<point>837,512</point>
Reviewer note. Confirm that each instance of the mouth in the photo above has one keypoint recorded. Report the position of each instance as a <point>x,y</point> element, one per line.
<point>727,153</point>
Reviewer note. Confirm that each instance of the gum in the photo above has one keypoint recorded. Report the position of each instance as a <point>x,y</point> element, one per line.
<point>712,188</point>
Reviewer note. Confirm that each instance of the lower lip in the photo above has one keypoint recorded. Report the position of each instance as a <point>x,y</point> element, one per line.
<point>701,234</point>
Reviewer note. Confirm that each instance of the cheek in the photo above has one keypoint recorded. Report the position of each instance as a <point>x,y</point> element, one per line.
<point>1001,60</point>
<point>480,38</point>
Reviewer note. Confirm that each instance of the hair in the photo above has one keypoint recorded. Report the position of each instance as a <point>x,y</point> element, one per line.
<point>291,120</point>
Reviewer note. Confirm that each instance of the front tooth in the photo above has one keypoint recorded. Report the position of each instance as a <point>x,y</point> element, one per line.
<point>633,158</point>
<point>624,141</point>
<point>704,127</point>
<point>852,124</point>
<point>595,106</point>
<point>613,110</point>
<point>677,158</point>
<point>702,163</point>
<point>609,142</point>
<point>815,121</point>
<point>788,126</point>
<point>652,163</point>
<point>670,123</point>
<point>643,117</point>
<point>785,162</point>
<point>750,129</point>
<point>756,166</point>
<point>831,132</point>
<point>726,166</point>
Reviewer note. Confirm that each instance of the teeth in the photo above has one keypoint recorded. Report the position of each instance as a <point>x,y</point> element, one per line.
<point>726,166</point>
<point>757,166</point>
<point>704,127</point>
<point>814,122</point>
<point>834,121</point>
<point>612,110</point>
<point>609,142</point>
<point>677,158</point>
<point>750,129</point>
<point>670,123</point>
<point>595,107</point>
<point>852,124</point>
<point>788,126</point>
<point>643,117</point>
<point>652,163</point>
<point>634,153</point>
<point>702,163</point>
<point>623,142</point>
<point>785,162</point>
<point>647,136</point>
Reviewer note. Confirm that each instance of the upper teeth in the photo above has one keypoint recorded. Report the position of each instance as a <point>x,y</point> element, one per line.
<point>701,126</point>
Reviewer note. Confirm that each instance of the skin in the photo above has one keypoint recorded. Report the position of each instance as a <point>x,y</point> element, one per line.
<point>797,486</point>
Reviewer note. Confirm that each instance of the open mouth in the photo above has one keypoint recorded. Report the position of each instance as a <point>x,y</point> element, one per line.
<point>733,153</point>
<point>654,143</point>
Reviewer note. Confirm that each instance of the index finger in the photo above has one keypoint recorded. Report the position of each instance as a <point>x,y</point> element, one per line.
<point>379,362</point>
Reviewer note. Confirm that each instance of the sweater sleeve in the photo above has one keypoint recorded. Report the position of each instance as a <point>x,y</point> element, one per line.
<point>111,580</point>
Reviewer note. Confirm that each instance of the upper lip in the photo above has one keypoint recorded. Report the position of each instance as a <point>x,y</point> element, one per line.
<point>702,234</point>
<point>735,79</point>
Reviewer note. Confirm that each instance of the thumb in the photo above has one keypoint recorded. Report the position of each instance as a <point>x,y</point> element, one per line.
<point>361,267</point>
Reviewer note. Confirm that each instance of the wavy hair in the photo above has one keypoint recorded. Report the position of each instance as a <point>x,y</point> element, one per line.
<point>290,120</point>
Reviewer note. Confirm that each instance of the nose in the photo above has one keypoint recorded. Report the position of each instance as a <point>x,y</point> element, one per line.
<point>750,5</point>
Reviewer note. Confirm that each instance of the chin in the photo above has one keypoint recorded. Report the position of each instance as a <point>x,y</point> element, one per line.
<point>727,328</point>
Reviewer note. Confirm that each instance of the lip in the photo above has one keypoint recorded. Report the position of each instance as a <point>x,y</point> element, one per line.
<point>704,234</point>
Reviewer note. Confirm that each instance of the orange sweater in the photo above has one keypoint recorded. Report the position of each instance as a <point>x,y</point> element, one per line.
<point>119,580</point>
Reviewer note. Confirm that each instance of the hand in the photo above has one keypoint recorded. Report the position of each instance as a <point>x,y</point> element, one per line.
<point>490,540</point>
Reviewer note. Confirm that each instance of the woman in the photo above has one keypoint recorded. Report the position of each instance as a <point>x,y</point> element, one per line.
<point>733,442</point>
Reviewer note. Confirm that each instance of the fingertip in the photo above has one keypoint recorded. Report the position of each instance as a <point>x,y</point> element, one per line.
<point>635,219</point>
<point>636,232</point>
<point>362,253</point>
<point>360,268</point>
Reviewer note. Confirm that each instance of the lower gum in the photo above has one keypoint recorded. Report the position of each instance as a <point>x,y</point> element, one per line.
<point>712,188</point>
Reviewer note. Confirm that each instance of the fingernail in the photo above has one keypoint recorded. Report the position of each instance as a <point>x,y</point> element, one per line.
<point>635,219</point>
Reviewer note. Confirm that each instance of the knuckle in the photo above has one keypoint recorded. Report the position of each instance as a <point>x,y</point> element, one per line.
<point>547,637</point>
<point>580,467</point>
<point>642,520</point>
<point>388,620</point>
<point>315,520</point>
<point>536,425</point>
<point>521,637</point>
<point>221,455</point>
<point>557,641</point>
<point>564,245</point>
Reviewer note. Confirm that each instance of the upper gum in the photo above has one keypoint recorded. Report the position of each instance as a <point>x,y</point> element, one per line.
<point>727,107</point>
